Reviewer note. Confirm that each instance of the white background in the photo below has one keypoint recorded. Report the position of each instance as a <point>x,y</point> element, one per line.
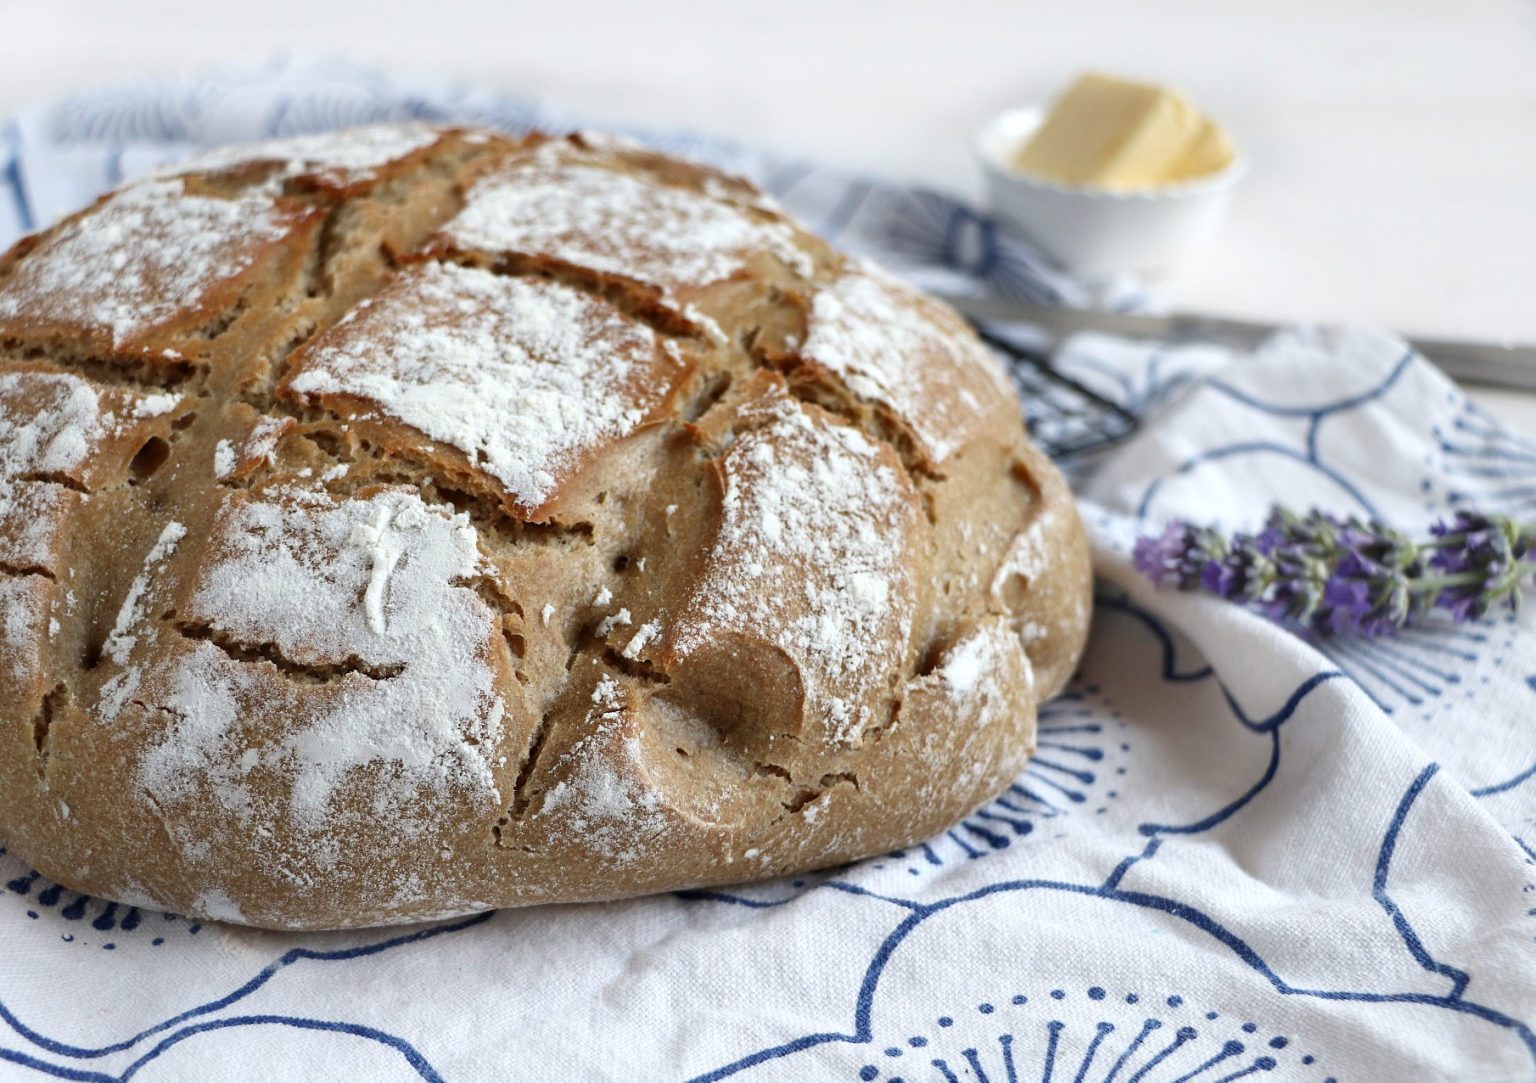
<point>1393,144</point>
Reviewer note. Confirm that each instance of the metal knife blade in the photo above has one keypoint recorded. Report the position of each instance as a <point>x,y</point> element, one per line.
<point>1487,363</point>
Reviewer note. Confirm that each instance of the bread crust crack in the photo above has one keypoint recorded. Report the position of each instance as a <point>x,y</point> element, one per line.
<point>298,672</point>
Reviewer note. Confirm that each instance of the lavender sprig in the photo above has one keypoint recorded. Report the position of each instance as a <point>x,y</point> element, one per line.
<point>1325,574</point>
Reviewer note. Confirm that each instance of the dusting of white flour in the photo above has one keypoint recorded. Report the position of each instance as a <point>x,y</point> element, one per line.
<point>50,423</point>
<point>52,429</point>
<point>346,157</point>
<point>377,581</point>
<point>811,554</point>
<point>522,375</point>
<point>605,804</point>
<point>668,238</point>
<point>151,252</point>
<point>121,640</point>
<point>886,344</point>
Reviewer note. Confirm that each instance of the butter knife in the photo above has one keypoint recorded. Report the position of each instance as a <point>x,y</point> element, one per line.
<point>1490,364</point>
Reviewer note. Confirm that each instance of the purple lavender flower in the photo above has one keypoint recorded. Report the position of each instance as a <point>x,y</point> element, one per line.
<point>1178,556</point>
<point>1323,574</point>
<point>1481,560</point>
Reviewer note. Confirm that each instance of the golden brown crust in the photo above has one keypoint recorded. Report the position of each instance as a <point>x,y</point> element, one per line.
<point>415,521</point>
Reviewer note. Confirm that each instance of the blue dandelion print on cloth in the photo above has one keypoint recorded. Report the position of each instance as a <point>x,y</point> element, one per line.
<point>1236,855</point>
<point>81,919</point>
<point>1144,1037</point>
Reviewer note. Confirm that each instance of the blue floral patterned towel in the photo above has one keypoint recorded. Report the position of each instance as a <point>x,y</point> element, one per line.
<point>1236,854</point>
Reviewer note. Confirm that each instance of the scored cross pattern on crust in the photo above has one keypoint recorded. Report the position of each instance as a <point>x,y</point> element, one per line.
<point>413,521</point>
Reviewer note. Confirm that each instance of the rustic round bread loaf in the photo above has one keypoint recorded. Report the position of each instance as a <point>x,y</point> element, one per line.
<point>411,521</point>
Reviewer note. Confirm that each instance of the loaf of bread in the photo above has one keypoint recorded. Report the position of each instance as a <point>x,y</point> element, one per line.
<point>410,521</point>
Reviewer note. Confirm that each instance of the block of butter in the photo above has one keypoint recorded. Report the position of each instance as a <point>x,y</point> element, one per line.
<point>1123,136</point>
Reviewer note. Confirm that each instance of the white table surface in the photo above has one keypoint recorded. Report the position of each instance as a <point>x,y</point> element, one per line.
<point>1393,145</point>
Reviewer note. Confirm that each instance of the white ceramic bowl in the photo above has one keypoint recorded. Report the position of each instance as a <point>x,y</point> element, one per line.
<point>1091,230</point>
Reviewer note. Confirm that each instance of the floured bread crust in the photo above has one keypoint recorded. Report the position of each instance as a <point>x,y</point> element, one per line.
<point>410,521</point>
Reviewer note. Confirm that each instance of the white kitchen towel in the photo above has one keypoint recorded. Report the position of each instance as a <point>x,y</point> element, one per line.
<point>1237,854</point>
